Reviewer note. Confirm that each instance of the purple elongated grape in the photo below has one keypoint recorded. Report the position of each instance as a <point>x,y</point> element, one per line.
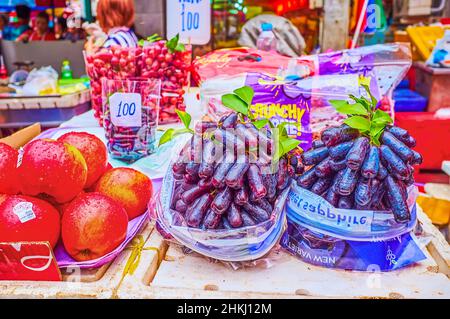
<point>282,172</point>
<point>377,194</point>
<point>192,168</point>
<point>399,148</point>
<point>332,197</point>
<point>270,182</point>
<point>196,212</point>
<point>410,180</point>
<point>186,186</point>
<point>346,202</point>
<point>179,167</point>
<point>347,182</point>
<point>416,159</point>
<point>211,220</point>
<point>205,184</point>
<point>176,196</point>
<point>399,205</point>
<point>265,142</point>
<point>363,191</point>
<point>257,213</point>
<point>178,177</point>
<point>240,182</point>
<point>336,135</point>
<point>338,165</point>
<point>339,151</point>
<point>202,127</point>
<point>224,223</point>
<point>241,196</point>
<point>192,194</point>
<point>229,121</point>
<point>336,180</point>
<point>191,179</point>
<point>290,170</point>
<point>221,171</point>
<point>321,185</point>
<point>394,162</point>
<point>300,168</point>
<point>196,148</point>
<point>324,169</point>
<point>247,135</point>
<point>255,182</point>
<point>234,216</point>
<point>382,172</point>
<point>247,220</point>
<point>230,140</point>
<point>307,179</point>
<point>181,206</point>
<point>314,156</point>
<point>222,200</point>
<point>317,144</point>
<point>357,153</point>
<point>236,173</point>
<point>402,135</point>
<point>264,204</point>
<point>371,164</point>
<point>293,161</point>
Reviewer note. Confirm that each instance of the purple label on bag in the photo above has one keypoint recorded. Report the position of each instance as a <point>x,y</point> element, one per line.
<point>282,102</point>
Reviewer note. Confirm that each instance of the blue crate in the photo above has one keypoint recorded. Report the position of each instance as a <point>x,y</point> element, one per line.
<point>409,101</point>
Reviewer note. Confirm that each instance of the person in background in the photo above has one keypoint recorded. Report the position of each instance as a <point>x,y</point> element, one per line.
<point>3,23</point>
<point>14,30</point>
<point>41,31</point>
<point>116,18</point>
<point>65,32</point>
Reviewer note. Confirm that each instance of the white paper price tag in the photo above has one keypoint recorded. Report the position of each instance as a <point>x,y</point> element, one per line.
<point>191,19</point>
<point>126,109</point>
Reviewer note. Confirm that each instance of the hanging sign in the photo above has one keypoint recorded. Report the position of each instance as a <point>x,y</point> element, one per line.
<point>191,19</point>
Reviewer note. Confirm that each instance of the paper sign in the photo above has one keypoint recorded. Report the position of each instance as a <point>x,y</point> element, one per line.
<point>28,261</point>
<point>126,109</point>
<point>189,18</point>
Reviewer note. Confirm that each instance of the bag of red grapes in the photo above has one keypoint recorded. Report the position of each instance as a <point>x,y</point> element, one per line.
<point>111,63</point>
<point>130,117</point>
<point>170,62</point>
<point>224,194</point>
<point>355,205</point>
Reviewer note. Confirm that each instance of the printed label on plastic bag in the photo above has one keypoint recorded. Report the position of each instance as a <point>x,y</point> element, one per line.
<point>126,109</point>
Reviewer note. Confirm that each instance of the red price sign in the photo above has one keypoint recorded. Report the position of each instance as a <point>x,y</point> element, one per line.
<point>28,261</point>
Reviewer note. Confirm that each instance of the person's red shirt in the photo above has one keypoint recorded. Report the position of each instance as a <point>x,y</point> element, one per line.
<point>34,36</point>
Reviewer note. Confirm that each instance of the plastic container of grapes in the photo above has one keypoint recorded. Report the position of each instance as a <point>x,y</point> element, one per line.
<point>130,129</point>
<point>236,245</point>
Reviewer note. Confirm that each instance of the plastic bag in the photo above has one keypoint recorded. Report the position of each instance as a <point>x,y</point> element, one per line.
<point>360,240</point>
<point>234,245</point>
<point>42,81</point>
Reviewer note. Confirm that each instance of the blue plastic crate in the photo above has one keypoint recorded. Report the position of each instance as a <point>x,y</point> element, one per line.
<point>409,101</point>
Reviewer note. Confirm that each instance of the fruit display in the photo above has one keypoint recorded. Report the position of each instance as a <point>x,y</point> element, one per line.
<point>93,151</point>
<point>92,226</point>
<point>24,218</point>
<point>130,141</point>
<point>168,61</point>
<point>129,187</point>
<point>365,163</point>
<point>8,172</point>
<point>57,180</point>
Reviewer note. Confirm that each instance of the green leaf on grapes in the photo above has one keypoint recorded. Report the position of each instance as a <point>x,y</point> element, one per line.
<point>180,47</point>
<point>246,94</point>
<point>358,122</point>
<point>235,103</point>
<point>166,137</point>
<point>172,43</point>
<point>343,107</point>
<point>141,42</point>
<point>185,118</point>
<point>382,118</point>
<point>375,132</point>
<point>372,98</point>
<point>361,100</point>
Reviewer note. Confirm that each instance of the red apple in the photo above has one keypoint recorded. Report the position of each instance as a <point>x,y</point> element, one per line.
<point>24,218</point>
<point>129,187</point>
<point>54,169</point>
<point>93,225</point>
<point>9,183</point>
<point>93,151</point>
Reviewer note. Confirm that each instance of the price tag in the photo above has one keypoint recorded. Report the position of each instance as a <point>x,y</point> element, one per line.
<point>191,19</point>
<point>126,109</point>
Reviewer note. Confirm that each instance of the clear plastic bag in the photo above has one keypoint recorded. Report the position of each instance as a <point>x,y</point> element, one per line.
<point>230,245</point>
<point>130,117</point>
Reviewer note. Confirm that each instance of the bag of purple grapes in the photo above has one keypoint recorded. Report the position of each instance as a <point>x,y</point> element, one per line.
<point>355,207</point>
<point>130,117</point>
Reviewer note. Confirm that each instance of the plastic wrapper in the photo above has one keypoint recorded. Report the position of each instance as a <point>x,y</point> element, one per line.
<point>323,235</point>
<point>130,117</point>
<point>42,81</point>
<point>232,245</point>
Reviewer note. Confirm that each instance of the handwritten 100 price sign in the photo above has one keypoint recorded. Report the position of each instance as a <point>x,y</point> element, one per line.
<point>191,19</point>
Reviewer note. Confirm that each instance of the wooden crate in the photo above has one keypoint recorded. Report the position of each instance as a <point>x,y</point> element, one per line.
<point>189,276</point>
<point>88,283</point>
